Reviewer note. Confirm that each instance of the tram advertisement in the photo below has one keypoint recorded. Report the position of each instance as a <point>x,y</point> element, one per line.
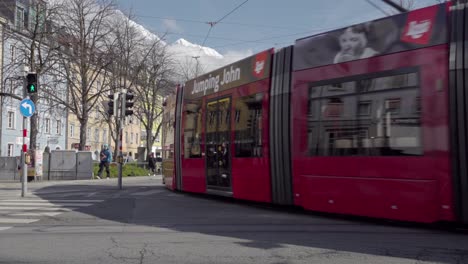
<point>249,70</point>
<point>417,29</point>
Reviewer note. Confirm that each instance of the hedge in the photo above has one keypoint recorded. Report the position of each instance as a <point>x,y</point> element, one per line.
<point>129,169</point>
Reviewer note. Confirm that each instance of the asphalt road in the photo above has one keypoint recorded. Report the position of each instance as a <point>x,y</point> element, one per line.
<point>94,222</point>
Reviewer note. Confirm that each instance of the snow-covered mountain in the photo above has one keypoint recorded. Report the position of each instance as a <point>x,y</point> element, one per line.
<point>187,54</point>
<point>184,52</point>
<point>197,49</point>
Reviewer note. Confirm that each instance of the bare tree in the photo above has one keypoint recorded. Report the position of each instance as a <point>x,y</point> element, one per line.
<point>34,46</point>
<point>154,83</point>
<point>84,28</point>
<point>411,4</point>
<point>406,4</point>
<point>189,69</point>
<point>131,52</point>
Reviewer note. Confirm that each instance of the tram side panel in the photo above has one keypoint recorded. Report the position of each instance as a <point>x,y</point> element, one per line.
<point>225,130</point>
<point>168,139</point>
<point>370,133</point>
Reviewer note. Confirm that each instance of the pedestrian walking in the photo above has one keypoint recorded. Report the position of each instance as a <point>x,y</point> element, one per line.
<point>152,165</point>
<point>105,159</point>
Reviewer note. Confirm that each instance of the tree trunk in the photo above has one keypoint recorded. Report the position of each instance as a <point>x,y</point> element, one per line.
<point>149,142</point>
<point>34,125</point>
<point>116,142</point>
<point>83,130</point>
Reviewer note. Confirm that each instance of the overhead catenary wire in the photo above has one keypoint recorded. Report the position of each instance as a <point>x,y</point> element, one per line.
<point>212,24</point>
<point>227,23</point>
<point>377,7</point>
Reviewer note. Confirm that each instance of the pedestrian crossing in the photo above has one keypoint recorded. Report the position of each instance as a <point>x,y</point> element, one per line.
<point>15,212</point>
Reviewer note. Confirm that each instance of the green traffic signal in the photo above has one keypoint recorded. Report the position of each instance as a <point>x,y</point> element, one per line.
<point>31,86</point>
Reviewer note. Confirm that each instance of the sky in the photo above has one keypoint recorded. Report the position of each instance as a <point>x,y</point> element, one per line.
<point>256,25</point>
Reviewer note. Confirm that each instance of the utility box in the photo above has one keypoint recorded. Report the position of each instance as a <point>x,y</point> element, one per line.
<point>63,165</point>
<point>8,169</point>
<point>46,166</point>
<point>84,168</point>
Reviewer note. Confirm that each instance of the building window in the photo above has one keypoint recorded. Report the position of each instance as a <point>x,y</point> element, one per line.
<point>72,130</point>
<point>126,137</point>
<point>104,136</point>
<point>11,120</point>
<point>248,126</point>
<point>10,149</point>
<point>137,141</point>
<point>58,127</point>
<point>131,138</point>
<point>13,58</point>
<point>96,135</point>
<point>19,22</point>
<point>365,117</point>
<point>47,126</point>
<point>88,133</point>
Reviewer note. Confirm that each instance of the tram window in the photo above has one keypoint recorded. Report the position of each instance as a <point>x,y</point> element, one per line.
<point>379,119</point>
<point>192,129</point>
<point>248,126</point>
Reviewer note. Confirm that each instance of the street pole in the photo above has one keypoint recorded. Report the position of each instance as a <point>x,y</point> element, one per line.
<point>24,180</point>
<point>121,123</point>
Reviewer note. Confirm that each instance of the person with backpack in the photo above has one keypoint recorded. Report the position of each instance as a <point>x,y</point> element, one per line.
<point>105,160</point>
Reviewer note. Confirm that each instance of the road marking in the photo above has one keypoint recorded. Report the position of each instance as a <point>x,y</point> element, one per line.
<point>36,208</point>
<point>36,214</point>
<point>54,201</point>
<point>47,204</point>
<point>25,211</point>
<point>57,191</point>
<point>17,221</point>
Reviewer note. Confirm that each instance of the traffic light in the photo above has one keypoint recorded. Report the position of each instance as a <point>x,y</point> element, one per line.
<point>113,104</point>
<point>128,104</point>
<point>31,82</point>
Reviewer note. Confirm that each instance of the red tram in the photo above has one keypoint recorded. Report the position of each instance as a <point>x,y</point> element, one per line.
<point>369,120</point>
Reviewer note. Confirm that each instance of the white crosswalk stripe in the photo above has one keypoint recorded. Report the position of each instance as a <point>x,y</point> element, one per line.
<point>47,204</point>
<point>53,201</point>
<point>16,220</point>
<point>21,208</point>
<point>37,214</point>
<point>29,210</point>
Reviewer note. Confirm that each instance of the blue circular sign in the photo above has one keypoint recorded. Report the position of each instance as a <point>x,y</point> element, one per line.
<point>27,107</point>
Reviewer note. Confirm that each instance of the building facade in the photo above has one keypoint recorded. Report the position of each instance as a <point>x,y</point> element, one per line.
<point>15,59</point>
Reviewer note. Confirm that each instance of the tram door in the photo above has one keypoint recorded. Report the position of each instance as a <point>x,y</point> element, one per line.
<point>218,137</point>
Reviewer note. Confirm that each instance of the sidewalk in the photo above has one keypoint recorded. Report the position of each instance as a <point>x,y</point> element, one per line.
<point>16,185</point>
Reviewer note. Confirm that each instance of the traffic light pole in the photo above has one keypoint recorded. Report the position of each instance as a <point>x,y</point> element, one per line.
<point>119,103</point>
<point>121,123</point>
<point>24,166</point>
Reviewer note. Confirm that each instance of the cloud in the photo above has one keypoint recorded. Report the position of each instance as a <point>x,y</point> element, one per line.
<point>171,25</point>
